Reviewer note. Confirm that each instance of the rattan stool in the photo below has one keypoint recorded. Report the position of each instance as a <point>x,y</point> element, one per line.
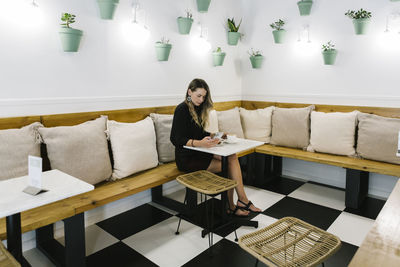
<point>290,242</point>
<point>6,259</point>
<point>209,184</point>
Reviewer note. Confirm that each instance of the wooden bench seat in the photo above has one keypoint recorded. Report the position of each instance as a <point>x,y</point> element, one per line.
<point>335,160</point>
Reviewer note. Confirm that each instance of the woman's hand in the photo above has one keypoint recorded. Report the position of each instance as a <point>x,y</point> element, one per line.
<point>208,142</point>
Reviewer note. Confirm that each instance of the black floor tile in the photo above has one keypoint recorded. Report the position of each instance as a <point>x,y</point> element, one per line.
<point>224,253</point>
<point>199,218</point>
<point>342,257</point>
<point>282,185</point>
<point>119,255</point>
<point>133,221</point>
<point>370,208</point>
<point>314,214</point>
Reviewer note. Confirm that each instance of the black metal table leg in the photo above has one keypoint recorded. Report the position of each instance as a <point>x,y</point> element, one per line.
<point>14,239</point>
<point>356,187</point>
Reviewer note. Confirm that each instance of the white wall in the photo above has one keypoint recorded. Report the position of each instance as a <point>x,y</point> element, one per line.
<point>365,73</point>
<point>109,71</point>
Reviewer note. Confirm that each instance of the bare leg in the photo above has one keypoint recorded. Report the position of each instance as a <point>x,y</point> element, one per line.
<point>235,174</point>
<point>215,167</point>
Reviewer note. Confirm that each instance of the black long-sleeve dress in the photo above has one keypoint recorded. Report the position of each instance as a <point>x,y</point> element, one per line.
<point>183,129</point>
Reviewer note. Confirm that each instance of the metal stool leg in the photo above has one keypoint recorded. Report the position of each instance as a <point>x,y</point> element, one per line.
<point>256,263</point>
<point>180,218</point>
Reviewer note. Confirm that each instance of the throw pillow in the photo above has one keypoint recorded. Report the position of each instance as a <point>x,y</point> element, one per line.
<point>257,123</point>
<point>378,138</point>
<point>333,132</point>
<point>133,146</point>
<point>163,125</point>
<point>16,146</point>
<point>229,122</point>
<point>291,127</point>
<point>212,125</point>
<point>80,150</point>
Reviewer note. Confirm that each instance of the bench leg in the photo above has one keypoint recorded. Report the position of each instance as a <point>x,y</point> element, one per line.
<point>356,187</point>
<point>269,168</point>
<point>157,197</point>
<point>73,254</point>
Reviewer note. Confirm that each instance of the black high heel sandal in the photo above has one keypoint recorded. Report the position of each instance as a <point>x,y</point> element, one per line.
<point>247,206</point>
<point>232,212</point>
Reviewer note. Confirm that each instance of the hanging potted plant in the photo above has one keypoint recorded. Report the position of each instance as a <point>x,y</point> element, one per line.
<point>256,58</point>
<point>361,19</point>
<point>202,5</point>
<point>70,38</point>
<point>305,7</point>
<point>185,23</point>
<point>233,34</point>
<point>107,8</point>
<point>278,32</point>
<point>218,57</point>
<point>329,53</point>
<point>163,48</point>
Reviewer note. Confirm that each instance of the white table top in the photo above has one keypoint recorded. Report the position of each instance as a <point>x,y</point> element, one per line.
<point>59,185</point>
<point>227,149</point>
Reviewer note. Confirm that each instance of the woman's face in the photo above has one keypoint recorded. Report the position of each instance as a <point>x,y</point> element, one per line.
<point>198,96</point>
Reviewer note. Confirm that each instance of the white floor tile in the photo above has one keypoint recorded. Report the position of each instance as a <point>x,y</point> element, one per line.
<point>351,228</point>
<point>263,221</point>
<point>160,244</point>
<point>261,198</point>
<point>321,195</point>
<point>37,259</point>
<point>96,239</point>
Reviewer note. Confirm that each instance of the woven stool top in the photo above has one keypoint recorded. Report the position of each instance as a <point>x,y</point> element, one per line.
<point>6,259</point>
<point>206,182</point>
<point>290,242</point>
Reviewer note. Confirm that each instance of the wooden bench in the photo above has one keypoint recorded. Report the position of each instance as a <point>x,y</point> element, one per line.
<point>269,158</point>
<point>71,210</point>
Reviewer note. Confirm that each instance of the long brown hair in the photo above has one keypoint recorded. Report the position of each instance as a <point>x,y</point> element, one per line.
<point>206,106</point>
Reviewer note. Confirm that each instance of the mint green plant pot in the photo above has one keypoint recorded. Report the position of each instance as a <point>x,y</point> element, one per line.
<point>70,39</point>
<point>279,36</point>
<point>184,25</point>
<point>361,25</point>
<point>107,8</point>
<point>218,58</point>
<point>202,5</point>
<point>256,61</point>
<point>162,51</point>
<point>329,56</point>
<point>305,7</point>
<point>233,38</point>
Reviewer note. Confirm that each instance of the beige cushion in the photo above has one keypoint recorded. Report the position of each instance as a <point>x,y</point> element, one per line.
<point>163,125</point>
<point>333,132</point>
<point>16,146</point>
<point>133,146</point>
<point>229,122</point>
<point>378,138</point>
<point>256,124</point>
<point>291,127</point>
<point>212,124</point>
<point>80,150</point>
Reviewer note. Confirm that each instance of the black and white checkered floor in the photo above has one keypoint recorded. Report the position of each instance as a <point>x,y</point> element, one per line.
<point>145,236</point>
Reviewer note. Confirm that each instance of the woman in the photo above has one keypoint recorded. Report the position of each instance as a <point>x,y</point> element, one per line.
<point>190,118</point>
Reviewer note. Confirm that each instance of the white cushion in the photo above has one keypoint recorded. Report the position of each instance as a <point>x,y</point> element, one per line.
<point>229,122</point>
<point>80,150</point>
<point>16,146</point>
<point>212,125</point>
<point>257,124</point>
<point>133,147</point>
<point>333,133</point>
